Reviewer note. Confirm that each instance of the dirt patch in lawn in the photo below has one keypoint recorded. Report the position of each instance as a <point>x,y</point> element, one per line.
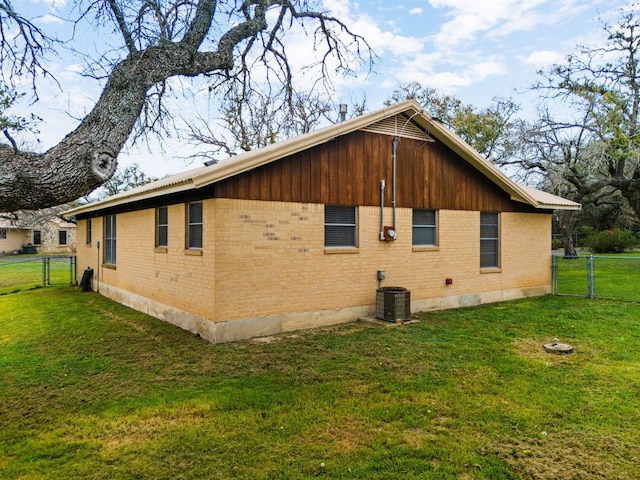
<point>570,456</point>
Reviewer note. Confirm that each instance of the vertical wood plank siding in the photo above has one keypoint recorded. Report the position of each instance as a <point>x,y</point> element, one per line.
<point>348,170</point>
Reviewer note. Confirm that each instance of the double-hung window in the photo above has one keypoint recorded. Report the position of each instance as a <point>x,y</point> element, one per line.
<point>37,237</point>
<point>424,228</point>
<point>489,240</point>
<point>162,227</point>
<point>194,225</point>
<point>340,226</point>
<point>62,237</point>
<point>88,232</point>
<point>110,239</point>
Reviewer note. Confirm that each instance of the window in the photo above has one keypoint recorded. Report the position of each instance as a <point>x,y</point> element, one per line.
<point>110,239</point>
<point>37,237</point>
<point>194,225</point>
<point>489,240</point>
<point>62,237</point>
<point>339,226</point>
<point>3,233</point>
<point>162,227</point>
<point>89,231</point>
<point>424,228</point>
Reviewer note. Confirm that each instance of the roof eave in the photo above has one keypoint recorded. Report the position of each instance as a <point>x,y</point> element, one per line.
<point>131,197</point>
<point>516,192</point>
<point>257,158</point>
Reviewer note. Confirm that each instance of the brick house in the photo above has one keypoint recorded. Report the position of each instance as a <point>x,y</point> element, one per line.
<point>299,234</point>
<point>41,231</point>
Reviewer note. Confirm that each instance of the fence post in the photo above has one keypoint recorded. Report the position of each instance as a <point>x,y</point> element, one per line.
<point>554,274</point>
<point>591,278</point>
<point>44,272</point>
<point>72,269</point>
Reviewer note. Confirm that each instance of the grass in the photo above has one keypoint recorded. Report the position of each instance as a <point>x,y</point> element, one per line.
<point>616,276</point>
<point>25,272</point>
<point>93,390</point>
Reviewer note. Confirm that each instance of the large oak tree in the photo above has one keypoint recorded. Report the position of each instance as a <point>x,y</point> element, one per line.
<point>589,151</point>
<point>229,42</point>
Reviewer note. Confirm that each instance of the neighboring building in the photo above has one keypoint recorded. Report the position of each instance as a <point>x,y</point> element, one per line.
<point>294,235</point>
<point>42,231</point>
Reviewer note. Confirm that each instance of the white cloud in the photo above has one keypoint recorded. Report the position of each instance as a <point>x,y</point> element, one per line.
<point>449,76</point>
<point>543,58</point>
<point>48,19</point>
<point>416,11</point>
<point>52,4</point>
<point>471,19</point>
<point>381,38</point>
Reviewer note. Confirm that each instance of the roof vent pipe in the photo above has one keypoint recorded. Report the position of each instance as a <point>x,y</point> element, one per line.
<point>342,109</point>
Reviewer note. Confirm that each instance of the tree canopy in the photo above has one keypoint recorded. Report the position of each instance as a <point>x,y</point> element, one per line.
<point>585,143</point>
<point>488,130</point>
<point>236,43</point>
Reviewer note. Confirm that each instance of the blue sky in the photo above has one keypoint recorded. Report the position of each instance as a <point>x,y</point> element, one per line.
<point>473,49</point>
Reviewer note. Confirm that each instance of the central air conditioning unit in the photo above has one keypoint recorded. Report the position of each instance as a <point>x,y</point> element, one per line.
<point>393,304</point>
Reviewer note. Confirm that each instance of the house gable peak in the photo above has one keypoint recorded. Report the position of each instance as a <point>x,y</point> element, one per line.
<point>399,125</point>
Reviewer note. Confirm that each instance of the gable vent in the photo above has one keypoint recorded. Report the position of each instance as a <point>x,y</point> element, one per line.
<point>398,126</point>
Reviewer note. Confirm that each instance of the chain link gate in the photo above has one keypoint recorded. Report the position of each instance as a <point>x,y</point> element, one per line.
<point>597,276</point>
<point>18,273</point>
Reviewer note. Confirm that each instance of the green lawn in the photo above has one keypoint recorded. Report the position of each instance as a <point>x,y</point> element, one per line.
<point>93,390</point>
<point>25,272</point>
<point>617,276</point>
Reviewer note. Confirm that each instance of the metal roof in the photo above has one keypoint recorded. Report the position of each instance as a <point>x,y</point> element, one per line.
<point>202,176</point>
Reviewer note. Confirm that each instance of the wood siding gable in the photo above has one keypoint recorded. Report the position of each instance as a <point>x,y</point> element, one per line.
<point>348,169</point>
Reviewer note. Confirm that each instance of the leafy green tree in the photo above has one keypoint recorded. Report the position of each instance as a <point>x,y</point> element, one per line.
<point>588,150</point>
<point>12,123</point>
<point>489,130</point>
<point>124,179</point>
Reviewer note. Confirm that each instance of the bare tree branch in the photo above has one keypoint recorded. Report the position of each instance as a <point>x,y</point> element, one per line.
<point>132,97</point>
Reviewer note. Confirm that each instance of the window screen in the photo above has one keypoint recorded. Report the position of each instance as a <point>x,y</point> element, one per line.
<point>110,239</point>
<point>489,240</point>
<point>424,227</point>
<point>162,227</point>
<point>194,231</point>
<point>89,232</point>
<point>62,237</point>
<point>339,226</point>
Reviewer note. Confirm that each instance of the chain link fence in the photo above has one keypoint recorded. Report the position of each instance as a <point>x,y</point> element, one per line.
<point>19,273</point>
<point>597,276</point>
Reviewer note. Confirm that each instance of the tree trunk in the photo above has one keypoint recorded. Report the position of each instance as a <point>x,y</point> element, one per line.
<point>566,223</point>
<point>84,159</point>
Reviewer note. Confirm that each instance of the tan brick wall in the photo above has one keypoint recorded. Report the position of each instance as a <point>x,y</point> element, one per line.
<point>265,260</point>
